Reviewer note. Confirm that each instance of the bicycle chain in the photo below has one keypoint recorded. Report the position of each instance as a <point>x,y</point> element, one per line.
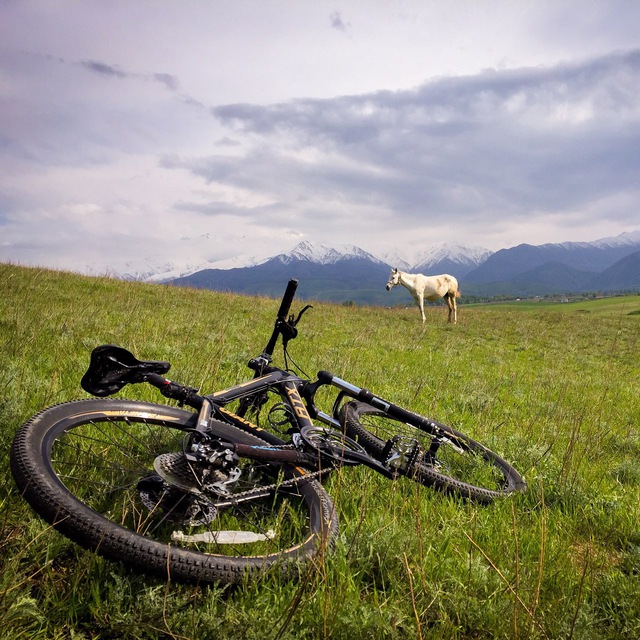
<point>276,485</point>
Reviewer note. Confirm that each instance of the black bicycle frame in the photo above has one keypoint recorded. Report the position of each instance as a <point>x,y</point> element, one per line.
<point>300,396</point>
<point>287,385</point>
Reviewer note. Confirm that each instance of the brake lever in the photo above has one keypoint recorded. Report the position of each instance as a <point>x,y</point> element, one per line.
<point>295,322</point>
<point>288,329</point>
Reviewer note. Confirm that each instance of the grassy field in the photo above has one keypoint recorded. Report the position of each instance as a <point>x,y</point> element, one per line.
<point>615,305</point>
<point>554,389</point>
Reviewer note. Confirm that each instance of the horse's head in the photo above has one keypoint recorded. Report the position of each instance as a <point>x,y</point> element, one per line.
<point>394,279</point>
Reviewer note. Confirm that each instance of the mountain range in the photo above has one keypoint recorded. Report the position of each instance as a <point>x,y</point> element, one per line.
<point>352,274</point>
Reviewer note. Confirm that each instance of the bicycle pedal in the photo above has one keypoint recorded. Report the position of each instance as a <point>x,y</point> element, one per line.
<point>401,453</point>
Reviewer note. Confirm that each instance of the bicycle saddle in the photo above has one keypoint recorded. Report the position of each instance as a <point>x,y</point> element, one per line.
<point>112,367</point>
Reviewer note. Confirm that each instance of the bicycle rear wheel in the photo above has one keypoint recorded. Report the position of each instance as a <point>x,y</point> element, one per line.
<point>447,460</point>
<point>97,471</point>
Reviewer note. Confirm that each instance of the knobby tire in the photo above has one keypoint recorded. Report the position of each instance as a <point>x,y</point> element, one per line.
<point>449,460</point>
<point>87,467</point>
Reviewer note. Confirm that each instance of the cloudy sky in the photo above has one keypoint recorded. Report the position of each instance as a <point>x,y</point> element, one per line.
<point>137,133</point>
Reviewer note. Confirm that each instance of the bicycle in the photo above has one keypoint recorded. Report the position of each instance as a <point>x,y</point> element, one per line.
<point>209,495</point>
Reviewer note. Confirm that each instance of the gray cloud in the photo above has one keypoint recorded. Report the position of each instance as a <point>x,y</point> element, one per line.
<point>550,139</point>
<point>169,81</point>
<point>337,22</point>
<point>166,79</point>
<point>106,69</point>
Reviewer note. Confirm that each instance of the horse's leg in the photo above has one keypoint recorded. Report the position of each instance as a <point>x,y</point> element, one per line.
<point>421,306</point>
<point>455,308</point>
<point>450,304</point>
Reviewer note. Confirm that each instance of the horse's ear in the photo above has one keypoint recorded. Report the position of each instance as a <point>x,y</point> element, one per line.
<point>395,270</point>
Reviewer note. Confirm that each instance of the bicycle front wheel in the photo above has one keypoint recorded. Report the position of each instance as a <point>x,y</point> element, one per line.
<point>97,471</point>
<point>446,459</point>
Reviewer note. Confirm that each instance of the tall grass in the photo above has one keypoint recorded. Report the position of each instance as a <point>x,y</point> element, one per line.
<point>554,391</point>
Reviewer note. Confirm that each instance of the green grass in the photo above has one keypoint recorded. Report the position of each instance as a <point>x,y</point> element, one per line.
<point>614,305</point>
<point>554,389</point>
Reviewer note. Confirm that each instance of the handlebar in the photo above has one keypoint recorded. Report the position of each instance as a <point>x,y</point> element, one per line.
<point>281,320</point>
<point>287,298</point>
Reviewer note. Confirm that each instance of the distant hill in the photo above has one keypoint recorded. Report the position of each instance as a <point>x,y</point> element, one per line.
<point>623,275</point>
<point>570,267</point>
<point>356,280</point>
<point>506,264</point>
<point>552,277</point>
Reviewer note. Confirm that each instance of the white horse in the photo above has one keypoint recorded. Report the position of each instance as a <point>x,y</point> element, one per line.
<point>429,288</point>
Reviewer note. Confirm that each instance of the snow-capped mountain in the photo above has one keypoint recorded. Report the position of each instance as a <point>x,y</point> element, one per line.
<point>454,253</point>
<point>431,258</point>
<point>466,257</point>
<point>306,251</point>
<point>630,238</point>
<point>320,254</point>
<point>453,258</point>
<point>172,271</point>
<point>396,259</point>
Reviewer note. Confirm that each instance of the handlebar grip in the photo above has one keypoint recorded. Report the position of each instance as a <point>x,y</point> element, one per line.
<point>287,298</point>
